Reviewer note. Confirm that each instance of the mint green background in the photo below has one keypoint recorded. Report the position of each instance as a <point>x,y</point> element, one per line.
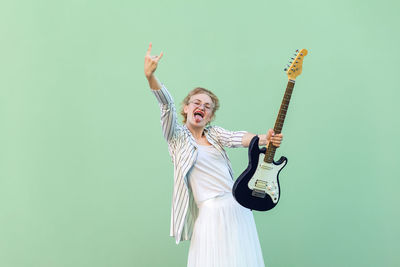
<point>85,175</point>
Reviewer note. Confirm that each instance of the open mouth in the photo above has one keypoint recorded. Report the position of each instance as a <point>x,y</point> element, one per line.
<point>198,115</point>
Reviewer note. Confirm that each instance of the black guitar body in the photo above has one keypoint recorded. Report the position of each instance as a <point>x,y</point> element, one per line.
<point>241,191</point>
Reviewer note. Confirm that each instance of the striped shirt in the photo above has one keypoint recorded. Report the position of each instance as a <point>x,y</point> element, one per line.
<point>182,148</point>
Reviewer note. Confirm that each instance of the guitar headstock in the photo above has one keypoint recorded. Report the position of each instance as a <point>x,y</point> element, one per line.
<point>296,64</point>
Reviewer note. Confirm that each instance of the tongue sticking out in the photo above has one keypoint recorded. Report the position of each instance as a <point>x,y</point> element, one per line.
<point>198,118</point>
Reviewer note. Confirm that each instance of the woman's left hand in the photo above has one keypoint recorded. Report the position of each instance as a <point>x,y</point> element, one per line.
<point>276,139</point>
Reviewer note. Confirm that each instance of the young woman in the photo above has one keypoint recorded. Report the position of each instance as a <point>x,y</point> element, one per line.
<point>222,233</point>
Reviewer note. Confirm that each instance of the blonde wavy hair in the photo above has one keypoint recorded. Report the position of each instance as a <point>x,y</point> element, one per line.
<point>200,90</point>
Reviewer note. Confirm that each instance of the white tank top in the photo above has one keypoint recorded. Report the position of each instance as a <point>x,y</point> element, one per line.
<point>209,177</point>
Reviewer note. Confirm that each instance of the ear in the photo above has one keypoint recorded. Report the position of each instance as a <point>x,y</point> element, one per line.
<point>185,109</point>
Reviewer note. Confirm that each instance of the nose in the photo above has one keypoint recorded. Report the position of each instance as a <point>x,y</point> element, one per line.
<point>201,106</point>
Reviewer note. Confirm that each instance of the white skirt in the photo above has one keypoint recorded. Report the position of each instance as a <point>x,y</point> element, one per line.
<point>224,235</point>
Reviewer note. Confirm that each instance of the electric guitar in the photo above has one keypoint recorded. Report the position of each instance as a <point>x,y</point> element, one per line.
<point>257,188</point>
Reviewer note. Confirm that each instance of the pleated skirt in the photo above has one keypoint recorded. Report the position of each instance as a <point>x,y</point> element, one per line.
<point>224,235</point>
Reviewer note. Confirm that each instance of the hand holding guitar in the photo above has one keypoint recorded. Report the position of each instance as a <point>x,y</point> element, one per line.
<point>276,139</point>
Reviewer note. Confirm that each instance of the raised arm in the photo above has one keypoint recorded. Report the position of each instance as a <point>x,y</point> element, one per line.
<point>168,113</point>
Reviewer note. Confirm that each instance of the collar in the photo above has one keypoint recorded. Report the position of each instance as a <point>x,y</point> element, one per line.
<point>191,138</point>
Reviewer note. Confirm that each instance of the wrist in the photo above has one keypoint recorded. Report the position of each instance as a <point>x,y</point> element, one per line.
<point>149,76</point>
<point>263,140</point>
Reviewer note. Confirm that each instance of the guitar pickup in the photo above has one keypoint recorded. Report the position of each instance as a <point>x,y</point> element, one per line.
<point>261,184</point>
<point>265,166</point>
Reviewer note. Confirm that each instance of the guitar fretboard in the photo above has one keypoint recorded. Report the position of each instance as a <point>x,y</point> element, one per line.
<point>270,153</point>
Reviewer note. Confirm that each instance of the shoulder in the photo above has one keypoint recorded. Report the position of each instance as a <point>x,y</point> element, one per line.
<point>214,129</point>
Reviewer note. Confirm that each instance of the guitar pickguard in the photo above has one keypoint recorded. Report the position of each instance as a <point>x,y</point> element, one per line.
<point>265,179</point>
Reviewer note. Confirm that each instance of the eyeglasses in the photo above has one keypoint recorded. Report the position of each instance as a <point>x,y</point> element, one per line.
<point>198,104</point>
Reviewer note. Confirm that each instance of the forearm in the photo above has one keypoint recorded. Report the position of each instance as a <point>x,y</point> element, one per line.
<point>168,112</point>
<point>154,83</point>
<point>248,136</point>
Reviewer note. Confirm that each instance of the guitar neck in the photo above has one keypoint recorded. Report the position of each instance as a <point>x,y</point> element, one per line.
<point>270,153</point>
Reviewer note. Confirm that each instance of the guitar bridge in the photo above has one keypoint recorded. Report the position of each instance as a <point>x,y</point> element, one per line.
<point>258,193</point>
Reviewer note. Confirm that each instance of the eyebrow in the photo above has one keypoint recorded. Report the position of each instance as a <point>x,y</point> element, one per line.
<point>202,101</point>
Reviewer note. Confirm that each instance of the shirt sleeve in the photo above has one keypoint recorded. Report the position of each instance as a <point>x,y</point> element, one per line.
<point>229,138</point>
<point>168,112</point>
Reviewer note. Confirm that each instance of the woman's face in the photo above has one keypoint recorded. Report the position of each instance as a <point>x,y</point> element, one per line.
<point>199,110</point>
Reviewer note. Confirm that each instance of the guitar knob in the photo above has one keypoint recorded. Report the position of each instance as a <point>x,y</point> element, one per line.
<point>269,187</point>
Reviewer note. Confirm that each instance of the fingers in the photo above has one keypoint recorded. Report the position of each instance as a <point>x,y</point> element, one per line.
<point>148,50</point>
<point>160,56</point>
<point>154,58</point>
<point>273,138</point>
<point>277,140</point>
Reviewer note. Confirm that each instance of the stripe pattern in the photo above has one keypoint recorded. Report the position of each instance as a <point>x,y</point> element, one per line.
<point>183,151</point>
